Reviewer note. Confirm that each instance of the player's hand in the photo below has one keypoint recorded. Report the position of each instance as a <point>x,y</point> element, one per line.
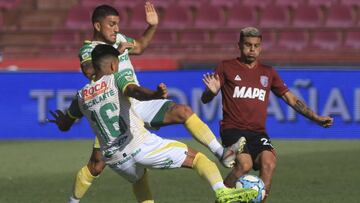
<point>152,17</point>
<point>325,121</point>
<point>161,91</point>
<point>125,45</point>
<point>212,82</point>
<point>61,120</point>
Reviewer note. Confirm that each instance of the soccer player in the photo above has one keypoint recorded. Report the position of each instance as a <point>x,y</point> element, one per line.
<point>245,86</point>
<point>155,113</point>
<point>127,147</point>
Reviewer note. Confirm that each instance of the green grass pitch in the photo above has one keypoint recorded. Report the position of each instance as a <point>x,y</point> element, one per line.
<point>308,171</point>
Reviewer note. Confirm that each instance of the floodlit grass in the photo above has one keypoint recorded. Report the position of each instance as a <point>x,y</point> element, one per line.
<point>311,171</point>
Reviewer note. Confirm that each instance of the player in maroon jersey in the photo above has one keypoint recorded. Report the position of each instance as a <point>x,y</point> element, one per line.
<point>245,86</point>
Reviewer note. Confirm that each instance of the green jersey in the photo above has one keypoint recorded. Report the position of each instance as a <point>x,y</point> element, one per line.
<point>124,60</point>
<point>109,113</point>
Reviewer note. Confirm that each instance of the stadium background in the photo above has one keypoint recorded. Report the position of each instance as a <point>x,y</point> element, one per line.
<point>315,45</point>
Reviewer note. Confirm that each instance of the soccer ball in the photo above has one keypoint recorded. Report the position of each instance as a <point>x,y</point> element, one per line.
<point>252,182</point>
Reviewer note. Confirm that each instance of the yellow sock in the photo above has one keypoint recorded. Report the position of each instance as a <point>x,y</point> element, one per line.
<point>201,132</point>
<point>83,181</point>
<point>142,190</point>
<point>208,170</point>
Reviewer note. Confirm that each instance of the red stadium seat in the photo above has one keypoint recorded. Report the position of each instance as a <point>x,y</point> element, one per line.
<point>164,37</point>
<point>126,3</point>
<point>268,40</point>
<point>79,17</point>
<point>176,17</point>
<point>340,16</point>
<point>192,3</point>
<point>274,17</point>
<point>326,40</point>
<point>209,17</point>
<point>326,3</point>
<point>307,17</point>
<point>257,3</point>
<point>138,17</point>
<point>352,40</point>
<point>65,38</point>
<point>193,37</point>
<point>1,20</point>
<point>162,3</point>
<point>226,40</point>
<point>241,16</point>
<point>230,37</point>
<point>289,3</point>
<point>350,2</point>
<point>293,40</point>
<point>94,3</point>
<point>9,4</point>
<point>223,3</point>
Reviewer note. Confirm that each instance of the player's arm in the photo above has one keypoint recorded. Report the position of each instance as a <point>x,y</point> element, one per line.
<point>144,94</point>
<point>85,59</point>
<point>140,44</point>
<point>299,106</point>
<point>126,84</point>
<point>64,121</point>
<point>212,82</point>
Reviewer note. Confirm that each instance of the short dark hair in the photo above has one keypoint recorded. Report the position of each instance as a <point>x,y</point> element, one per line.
<point>249,32</point>
<point>102,12</point>
<point>101,52</point>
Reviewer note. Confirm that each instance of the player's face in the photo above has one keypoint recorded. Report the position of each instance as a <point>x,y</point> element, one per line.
<point>109,26</point>
<point>250,49</point>
<point>88,69</point>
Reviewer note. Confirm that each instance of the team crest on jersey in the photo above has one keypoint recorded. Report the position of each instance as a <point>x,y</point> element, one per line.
<point>129,77</point>
<point>264,80</point>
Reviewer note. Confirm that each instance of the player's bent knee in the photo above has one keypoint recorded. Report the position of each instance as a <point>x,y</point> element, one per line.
<point>191,157</point>
<point>244,166</point>
<point>181,112</point>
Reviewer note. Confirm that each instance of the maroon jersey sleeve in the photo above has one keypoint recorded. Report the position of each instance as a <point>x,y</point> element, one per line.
<point>219,70</point>
<point>278,87</point>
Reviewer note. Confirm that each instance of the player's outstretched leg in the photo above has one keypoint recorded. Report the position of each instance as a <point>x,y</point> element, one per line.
<point>208,170</point>
<point>86,175</point>
<point>178,113</point>
<point>142,191</point>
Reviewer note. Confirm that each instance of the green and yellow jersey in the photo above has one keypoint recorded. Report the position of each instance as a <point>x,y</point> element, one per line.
<point>109,113</point>
<point>124,60</point>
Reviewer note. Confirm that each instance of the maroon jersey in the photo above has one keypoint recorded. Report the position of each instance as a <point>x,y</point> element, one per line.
<point>245,94</point>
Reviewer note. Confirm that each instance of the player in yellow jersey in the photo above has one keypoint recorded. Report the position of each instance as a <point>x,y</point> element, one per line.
<point>127,146</point>
<point>155,113</point>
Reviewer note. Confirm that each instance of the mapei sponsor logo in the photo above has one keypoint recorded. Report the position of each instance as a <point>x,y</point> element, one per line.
<point>94,90</point>
<point>249,92</point>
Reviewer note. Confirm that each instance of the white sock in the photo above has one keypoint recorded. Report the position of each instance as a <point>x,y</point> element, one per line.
<point>73,200</point>
<point>216,148</point>
<point>218,185</point>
